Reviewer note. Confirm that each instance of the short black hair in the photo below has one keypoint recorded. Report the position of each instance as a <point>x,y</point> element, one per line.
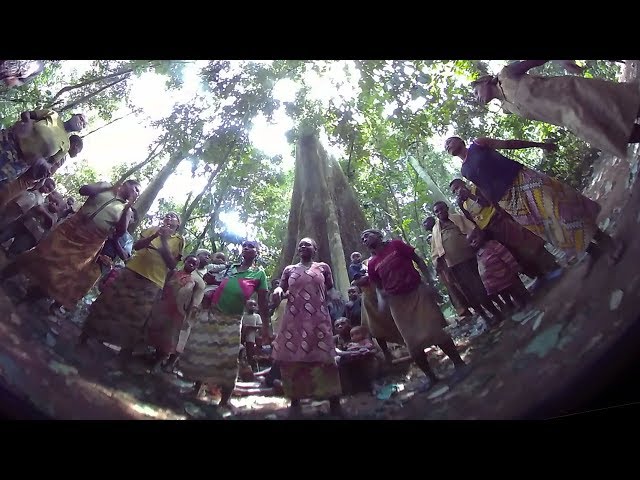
<point>76,140</point>
<point>190,256</point>
<point>455,180</point>
<point>440,202</point>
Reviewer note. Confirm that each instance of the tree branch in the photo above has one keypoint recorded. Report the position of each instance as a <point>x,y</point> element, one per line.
<point>68,88</point>
<point>138,166</point>
<point>92,94</point>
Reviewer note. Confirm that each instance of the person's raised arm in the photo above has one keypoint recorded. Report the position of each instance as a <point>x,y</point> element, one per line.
<point>145,242</point>
<point>498,144</point>
<point>423,267</point>
<point>121,227</point>
<point>165,249</point>
<point>93,189</point>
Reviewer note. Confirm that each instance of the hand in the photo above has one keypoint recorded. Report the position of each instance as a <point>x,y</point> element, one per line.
<point>164,232</point>
<point>106,261</point>
<point>277,295</point>
<point>550,147</point>
<point>40,169</point>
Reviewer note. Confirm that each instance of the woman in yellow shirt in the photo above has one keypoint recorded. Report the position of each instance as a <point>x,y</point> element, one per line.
<point>64,265</point>
<point>38,142</point>
<point>120,313</point>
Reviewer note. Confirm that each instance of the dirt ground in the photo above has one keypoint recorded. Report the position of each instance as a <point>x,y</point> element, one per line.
<point>525,361</point>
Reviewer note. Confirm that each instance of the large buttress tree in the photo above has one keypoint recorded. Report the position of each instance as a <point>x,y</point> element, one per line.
<point>323,207</point>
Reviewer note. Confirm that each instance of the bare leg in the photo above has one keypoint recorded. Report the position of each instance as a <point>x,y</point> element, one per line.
<point>519,293</point>
<point>423,363</point>
<point>198,389</point>
<point>225,396</point>
<point>251,350</point>
<point>295,409</point>
<point>159,359</point>
<point>506,298</point>
<point>334,407</point>
<point>170,364</point>
<point>385,350</point>
<point>450,350</point>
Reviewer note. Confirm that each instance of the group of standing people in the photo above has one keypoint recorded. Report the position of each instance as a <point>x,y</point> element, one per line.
<point>192,316</point>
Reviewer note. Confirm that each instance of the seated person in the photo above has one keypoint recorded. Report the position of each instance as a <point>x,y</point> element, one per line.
<point>359,363</point>
<point>28,230</point>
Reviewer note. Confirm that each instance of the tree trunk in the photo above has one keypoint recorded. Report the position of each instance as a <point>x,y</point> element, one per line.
<point>630,71</point>
<point>323,207</point>
<point>191,207</point>
<point>435,191</point>
<point>138,166</point>
<point>148,196</point>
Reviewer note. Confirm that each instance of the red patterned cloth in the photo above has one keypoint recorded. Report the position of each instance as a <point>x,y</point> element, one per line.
<point>497,267</point>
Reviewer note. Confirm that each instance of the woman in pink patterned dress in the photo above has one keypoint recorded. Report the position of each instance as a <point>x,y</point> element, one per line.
<point>304,347</point>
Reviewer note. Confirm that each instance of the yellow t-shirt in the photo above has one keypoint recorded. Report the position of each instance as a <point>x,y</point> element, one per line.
<point>48,138</point>
<point>481,215</point>
<point>149,263</point>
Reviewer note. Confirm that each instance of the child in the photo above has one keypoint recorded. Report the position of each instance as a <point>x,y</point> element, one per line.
<point>356,269</point>
<point>353,308</point>
<point>498,269</point>
<point>25,201</point>
<point>361,341</point>
<point>251,323</point>
<point>358,364</point>
<point>215,271</point>
<point>181,295</point>
<point>342,328</point>
<point>29,229</point>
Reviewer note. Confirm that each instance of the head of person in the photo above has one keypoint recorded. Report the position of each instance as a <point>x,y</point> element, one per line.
<point>191,263</point>
<point>342,326</point>
<point>372,238</point>
<point>354,293</point>
<point>356,257</point>
<point>476,238</point>
<point>454,146</point>
<point>75,145</point>
<point>48,186</point>
<point>250,251</point>
<point>204,257</point>
<point>251,306</point>
<point>171,220</point>
<point>459,189</point>
<point>307,248</point>
<point>55,202</point>
<point>76,123</point>
<point>441,211</point>
<point>275,283</point>
<point>129,190</point>
<point>219,258</point>
<point>70,201</point>
<point>428,223</point>
<point>359,333</point>
<point>485,88</point>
